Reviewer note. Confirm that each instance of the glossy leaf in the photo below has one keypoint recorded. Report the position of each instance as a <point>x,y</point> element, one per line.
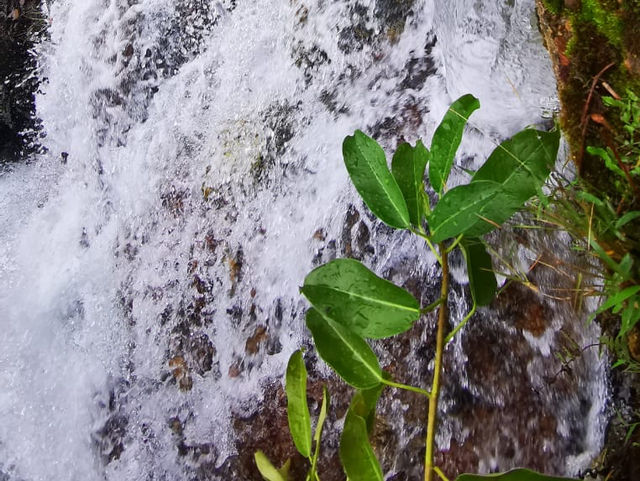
<point>367,166</point>
<point>513,475</point>
<point>460,209</point>
<point>408,166</point>
<point>363,403</point>
<point>352,295</point>
<point>357,457</point>
<point>347,353</point>
<point>520,166</point>
<point>513,173</point>
<point>446,139</point>
<point>268,470</point>
<point>482,280</point>
<point>297,408</point>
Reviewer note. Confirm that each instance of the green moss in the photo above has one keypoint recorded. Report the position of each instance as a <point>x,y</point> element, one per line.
<point>601,33</point>
<point>604,15</point>
<point>589,51</point>
<point>554,6</point>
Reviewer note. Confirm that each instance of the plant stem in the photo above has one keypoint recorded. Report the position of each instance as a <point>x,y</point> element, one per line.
<point>313,475</point>
<point>431,307</point>
<point>462,323</point>
<point>406,387</point>
<point>455,243</point>
<point>429,243</point>
<point>435,390</point>
<point>440,473</point>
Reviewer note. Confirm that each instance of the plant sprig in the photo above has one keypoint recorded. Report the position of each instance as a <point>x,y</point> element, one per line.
<point>351,304</point>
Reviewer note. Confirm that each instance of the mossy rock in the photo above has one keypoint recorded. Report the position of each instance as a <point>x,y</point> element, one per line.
<point>596,51</point>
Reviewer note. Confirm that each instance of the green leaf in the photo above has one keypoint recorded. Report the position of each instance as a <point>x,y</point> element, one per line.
<point>268,470</point>
<point>628,217</point>
<point>482,280</point>
<point>446,139</point>
<point>590,198</point>
<point>513,173</point>
<point>608,158</point>
<point>611,102</point>
<point>297,408</point>
<point>347,353</point>
<point>514,475</point>
<point>349,293</point>
<point>284,470</point>
<point>322,417</point>
<point>604,257</point>
<point>367,166</point>
<point>313,473</point>
<point>618,363</point>
<point>630,316</point>
<point>617,299</point>
<point>408,166</point>
<point>357,457</point>
<point>520,165</point>
<point>460,209</point>
<point>363,403</point>
<point>626,263</point>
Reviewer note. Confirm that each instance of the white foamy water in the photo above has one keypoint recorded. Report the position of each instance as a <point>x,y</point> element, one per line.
<point>203,143</point>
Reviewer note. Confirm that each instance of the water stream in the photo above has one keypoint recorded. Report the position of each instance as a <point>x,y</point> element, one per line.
<point>150,259</point>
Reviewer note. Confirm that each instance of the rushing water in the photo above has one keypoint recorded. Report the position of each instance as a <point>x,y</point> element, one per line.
<point>150,260</point>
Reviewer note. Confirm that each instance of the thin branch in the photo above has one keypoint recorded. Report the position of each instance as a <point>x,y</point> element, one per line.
<point>435,390</point>
<point>406,387</point>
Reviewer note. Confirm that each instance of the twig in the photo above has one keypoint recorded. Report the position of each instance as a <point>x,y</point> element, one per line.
<point>585,111</point>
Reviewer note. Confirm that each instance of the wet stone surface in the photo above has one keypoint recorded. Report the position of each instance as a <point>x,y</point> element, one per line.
<point>210,322</point>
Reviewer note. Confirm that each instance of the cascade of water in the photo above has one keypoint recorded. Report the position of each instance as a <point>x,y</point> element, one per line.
<point>150,259</point>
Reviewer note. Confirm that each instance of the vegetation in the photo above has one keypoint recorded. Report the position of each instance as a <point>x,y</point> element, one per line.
<point>595,47</point>
<point>595,50</point>
<point>605,226</point>
<point>350,304</point>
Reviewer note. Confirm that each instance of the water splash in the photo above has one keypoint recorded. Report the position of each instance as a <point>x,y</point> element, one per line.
<point>151,258</point>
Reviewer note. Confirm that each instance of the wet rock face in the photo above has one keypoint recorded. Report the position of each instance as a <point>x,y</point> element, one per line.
<point>508,399</point>
<point>143,64</point>
<point>22,24</point>
<point>494,407</point>
<point>268,430</point>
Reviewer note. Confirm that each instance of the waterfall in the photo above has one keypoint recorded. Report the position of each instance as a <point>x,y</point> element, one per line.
<point>150,258</point>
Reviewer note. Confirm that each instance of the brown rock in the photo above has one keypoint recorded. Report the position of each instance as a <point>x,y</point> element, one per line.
<point>260,335</point>
<point>234,370</point>
<point>180,373</point>
<point>633,341</point>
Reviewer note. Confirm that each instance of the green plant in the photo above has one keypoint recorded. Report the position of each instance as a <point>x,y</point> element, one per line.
<point>351,304</point>
<point>621,155</point>
<point>604,17</point>
<point>299,423</point>
<point>605,225</point>
<point>603,235</point>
